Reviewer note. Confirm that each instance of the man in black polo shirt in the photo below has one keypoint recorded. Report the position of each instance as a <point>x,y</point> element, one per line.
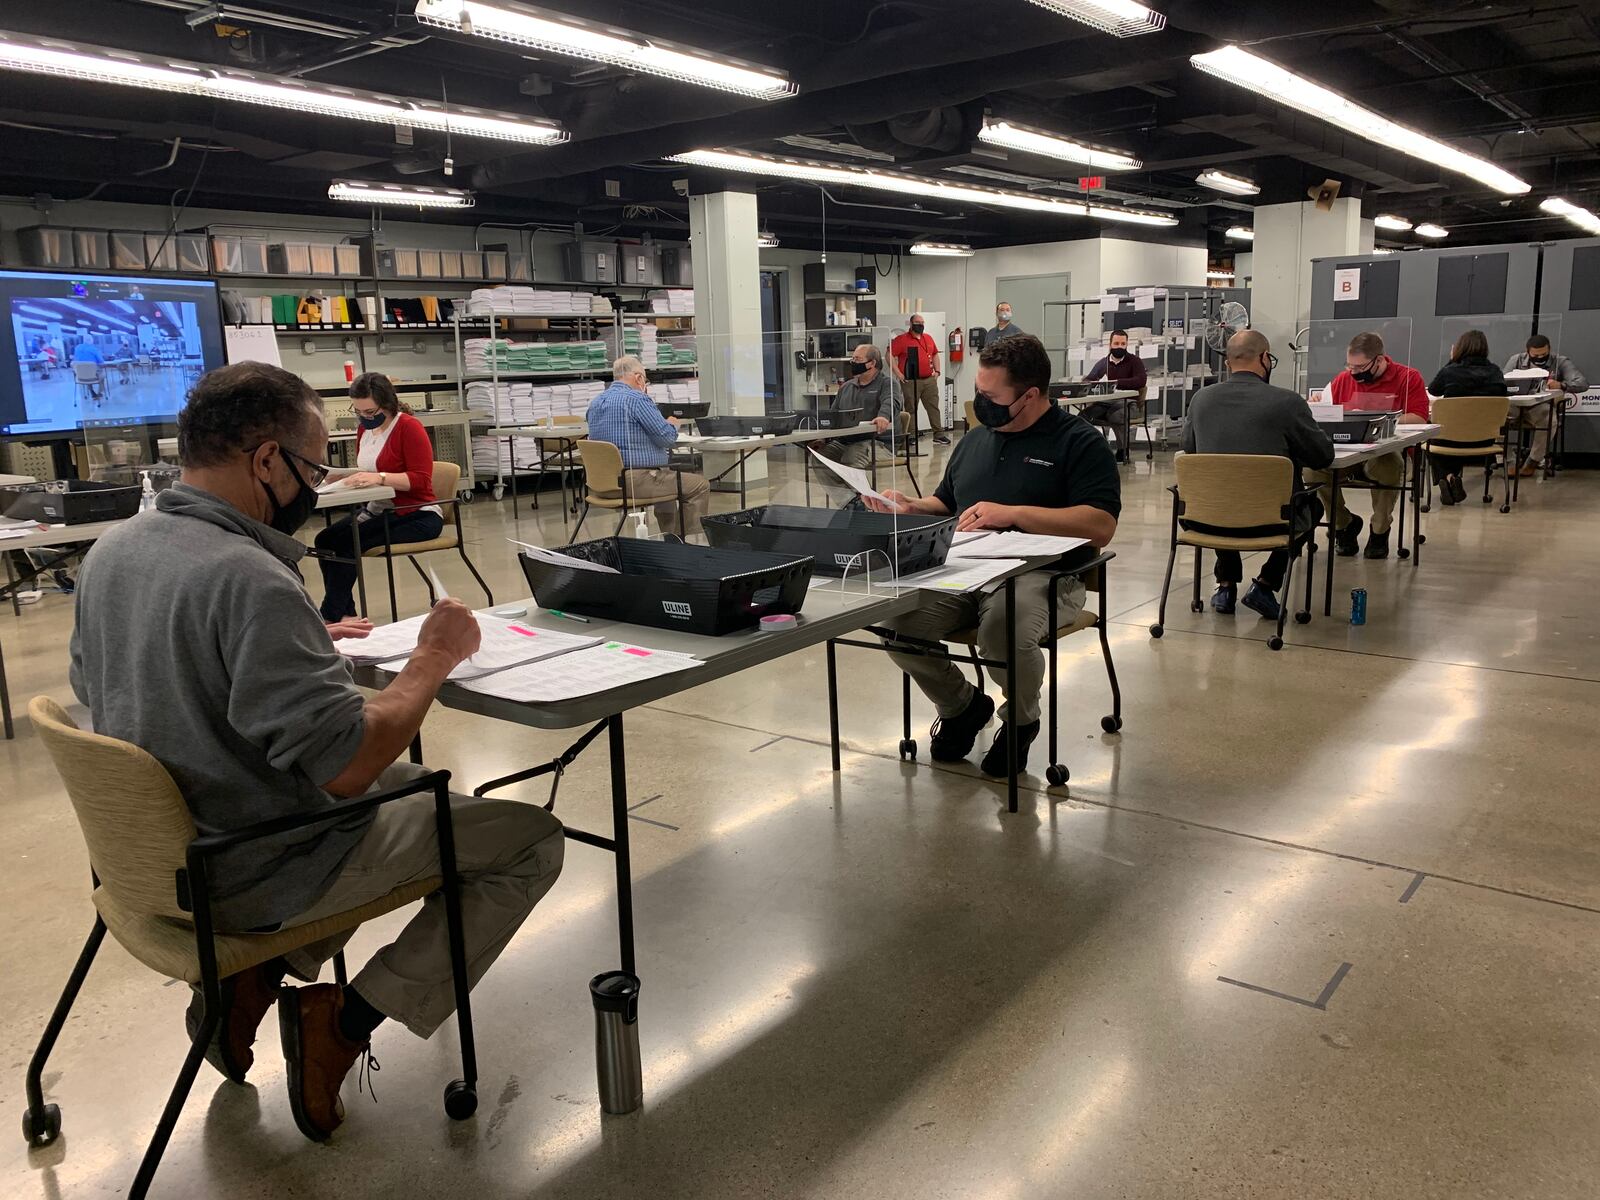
<point>1033,467</point>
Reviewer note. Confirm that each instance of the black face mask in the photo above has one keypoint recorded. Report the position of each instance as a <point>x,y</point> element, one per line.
<point>991,414</point>
<point>858,368</point>
<point>1538,360</point>
<point>917,329</point>
<point>1268,361</point>
<point>288,518</point>
<point>1367,374</point>
<point>1118,355</point>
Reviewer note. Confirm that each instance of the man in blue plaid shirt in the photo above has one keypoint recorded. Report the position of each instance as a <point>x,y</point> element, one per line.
<point>624,415</point>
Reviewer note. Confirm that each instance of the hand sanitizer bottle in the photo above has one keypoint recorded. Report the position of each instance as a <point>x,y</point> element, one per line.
<point>147,495</point>
<point>641,526</point>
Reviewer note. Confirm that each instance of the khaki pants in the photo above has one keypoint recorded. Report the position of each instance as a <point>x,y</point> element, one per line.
<point>1389,471</point>
<point>927,391</point>
<point>508,855</point>
<point>941,680</point>
<point>1538,420</point>
<point>663,481</point>
<point>850,454</point>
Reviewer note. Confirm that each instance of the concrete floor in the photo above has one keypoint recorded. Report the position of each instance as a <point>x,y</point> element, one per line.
<point>1318,923</point>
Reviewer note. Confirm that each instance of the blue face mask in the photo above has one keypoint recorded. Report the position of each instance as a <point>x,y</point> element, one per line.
<point>373,422</point>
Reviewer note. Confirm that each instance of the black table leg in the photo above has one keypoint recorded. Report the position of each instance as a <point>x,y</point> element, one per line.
<point>5,698</point>
<point>619,823</point>
<point>1420,479</point>
<point>1011,686</point>
<point>833,702</point>
<point>355,549</point>
<point>1333,516</point>
<point>743,454</point>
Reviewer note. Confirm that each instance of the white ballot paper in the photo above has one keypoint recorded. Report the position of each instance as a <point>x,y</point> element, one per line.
<point>854,476</point>
<point>962,574</point>
<point>1012,544</point>
<point>562,560</point>
<point>506,644</point>
<point>600,668</point>
<point>383,643</point>
<point>1528,373</point>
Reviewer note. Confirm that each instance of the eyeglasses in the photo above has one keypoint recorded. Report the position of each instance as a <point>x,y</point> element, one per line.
<point>317,471</point>
<point>369,413</point>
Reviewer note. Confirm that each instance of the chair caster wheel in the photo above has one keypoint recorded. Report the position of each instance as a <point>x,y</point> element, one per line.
<point>1402,553</point>
<point>1505,508</point>
<point>1487,500</point>
<point>1197,606</point>
<point>908,749</point>
<point>1156,631</point>
<point>460,1100</point>
<point>1427,508</point>
<point>1055,774</point>
<point>1302,618</point>
<point>1421,538</point>
<point>499,494</point>
<point>1274,642</point>
<point>43,1131</point>
<point>1111,724</point>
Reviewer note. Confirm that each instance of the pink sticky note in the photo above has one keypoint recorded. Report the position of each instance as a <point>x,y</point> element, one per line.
<point>639,652</point>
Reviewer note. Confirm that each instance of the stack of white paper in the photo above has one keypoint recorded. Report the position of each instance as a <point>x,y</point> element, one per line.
<point>599,668</point>
<point>506,644</point>
<point>962,574</point>
<point>1012,544</point>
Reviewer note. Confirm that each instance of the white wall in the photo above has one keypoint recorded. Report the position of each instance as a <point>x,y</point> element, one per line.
<point>1129,263</point>
<point>1288,237</point>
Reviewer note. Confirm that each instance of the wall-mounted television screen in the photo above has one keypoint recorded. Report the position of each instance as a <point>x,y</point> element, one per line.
<point>82,351</point>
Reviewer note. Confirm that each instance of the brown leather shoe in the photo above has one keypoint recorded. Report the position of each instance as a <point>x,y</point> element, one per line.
<point>1527,470</point>
<point>245,1000</point>
<point>316,1054</point>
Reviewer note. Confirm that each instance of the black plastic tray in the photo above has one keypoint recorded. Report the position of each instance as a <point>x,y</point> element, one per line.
<point>69,502</point>
<point>773,423</point>
<point>686,410</point>
<point>837,539</point>
<point>839,418</point>
<point>699,589</point>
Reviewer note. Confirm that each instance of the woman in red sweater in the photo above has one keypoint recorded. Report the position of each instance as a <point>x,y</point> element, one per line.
<point>392,450</point>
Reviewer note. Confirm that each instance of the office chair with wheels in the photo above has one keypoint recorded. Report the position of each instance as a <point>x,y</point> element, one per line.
<point>605,485</point>
<point>446,479</point>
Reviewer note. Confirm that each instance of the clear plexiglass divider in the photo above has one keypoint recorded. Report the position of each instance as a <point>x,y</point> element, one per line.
<point>785,386</point>
<point>1506,333</point>
<point>1328,343</point>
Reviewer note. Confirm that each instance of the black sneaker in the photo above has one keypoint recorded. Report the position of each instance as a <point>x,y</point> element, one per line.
<point>953,737</point>
<point>1347,541</point>
<point>994,762</point>
<point>1458,490</point>
<point>1259,600</point>
<point>939,439</point>
<point>63,581</point>
<point>1377,545</point>
<point>1224,598</point>
<point>1447,493</point>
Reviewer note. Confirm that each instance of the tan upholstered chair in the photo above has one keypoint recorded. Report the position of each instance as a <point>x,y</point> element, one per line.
<point>1242,502</point>
<point>605,485</point>
<point>446,477</point>
<point>972,416</point>
<point>151,890</point>
<point>1093,574</point>
<point>1471,428</point>
<point>899,459</point>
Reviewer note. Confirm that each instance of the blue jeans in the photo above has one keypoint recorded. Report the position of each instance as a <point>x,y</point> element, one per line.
<point>339,578</point>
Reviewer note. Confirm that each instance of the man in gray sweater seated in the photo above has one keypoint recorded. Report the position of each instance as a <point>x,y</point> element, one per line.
<point>196,641</point>
<point>1245,414</point>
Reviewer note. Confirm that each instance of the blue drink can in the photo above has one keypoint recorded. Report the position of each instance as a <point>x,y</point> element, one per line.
<point>1358,606</point>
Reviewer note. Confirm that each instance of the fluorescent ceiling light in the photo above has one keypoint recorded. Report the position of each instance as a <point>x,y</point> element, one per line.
<point>802,141</point>
<point>19,52</point>
<point>1121,17</point>
<point>1037,141</point>
<point>1267,78</point>
<point>942,249</point>
<point>1390,221</point>
<point>1240,234</point>
<point>795,169</point>
<point>1382,250</point>
<point>1429,230</point>
<point>1219,275</point>
<point>524,25</point>
<point>1221,181</point>
<point>362,192</point>
<point>1578,215</point>
<point>765,241</point>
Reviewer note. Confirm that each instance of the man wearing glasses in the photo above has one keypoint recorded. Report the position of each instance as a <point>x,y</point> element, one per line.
<point>196,641</point>
<point>1373,382</point>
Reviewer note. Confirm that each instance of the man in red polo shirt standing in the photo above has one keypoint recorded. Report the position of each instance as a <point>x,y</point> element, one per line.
<point>1374,382</point>
<point>922,382</point>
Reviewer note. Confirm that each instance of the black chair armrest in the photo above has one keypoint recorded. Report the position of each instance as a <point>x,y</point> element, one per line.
<point>1079,571</point>
<point>210,844</point>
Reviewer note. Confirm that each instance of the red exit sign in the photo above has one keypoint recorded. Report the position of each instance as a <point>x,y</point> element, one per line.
<point>1090,182</point>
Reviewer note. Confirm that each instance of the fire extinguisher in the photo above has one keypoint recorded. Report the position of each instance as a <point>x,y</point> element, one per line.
<point>955,345</point>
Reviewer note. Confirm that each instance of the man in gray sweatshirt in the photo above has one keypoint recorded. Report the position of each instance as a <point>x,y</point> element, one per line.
<point>1245,414</point>
<point>196,641</point>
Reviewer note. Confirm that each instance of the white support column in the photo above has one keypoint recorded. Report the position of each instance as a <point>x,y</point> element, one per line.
<point>1288,237</point>
<point>727,320</point>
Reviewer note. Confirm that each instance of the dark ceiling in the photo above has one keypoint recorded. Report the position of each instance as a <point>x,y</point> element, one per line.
<point>906,79</point>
